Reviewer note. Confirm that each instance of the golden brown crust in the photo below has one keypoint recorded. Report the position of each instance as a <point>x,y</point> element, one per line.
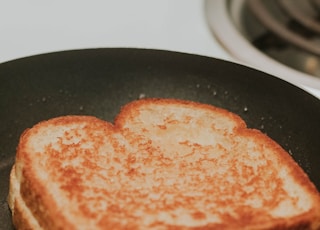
<point>21,217</point>
<point>139,179</point>
<point>130,110</point>
<point>20,220</point>
<point>37,197</point>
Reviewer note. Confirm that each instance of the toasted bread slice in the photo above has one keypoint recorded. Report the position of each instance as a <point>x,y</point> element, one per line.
<point>163,164</point>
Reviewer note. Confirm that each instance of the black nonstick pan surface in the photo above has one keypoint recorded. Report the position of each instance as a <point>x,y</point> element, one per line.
<point>99,81</point>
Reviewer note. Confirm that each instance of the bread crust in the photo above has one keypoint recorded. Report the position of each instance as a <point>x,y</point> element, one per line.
<point>21,216</point>
<point>125,137</point>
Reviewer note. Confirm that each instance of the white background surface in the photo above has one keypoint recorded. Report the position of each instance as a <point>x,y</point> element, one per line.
<point>32,27</point>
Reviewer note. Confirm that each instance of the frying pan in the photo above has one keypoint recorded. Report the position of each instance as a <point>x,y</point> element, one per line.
<point>99,81</point>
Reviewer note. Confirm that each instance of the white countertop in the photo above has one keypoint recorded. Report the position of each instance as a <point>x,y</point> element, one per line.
<point>34,27</point>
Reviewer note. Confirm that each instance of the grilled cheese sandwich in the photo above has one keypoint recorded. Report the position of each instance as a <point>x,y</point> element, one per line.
<point>162,164</point>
